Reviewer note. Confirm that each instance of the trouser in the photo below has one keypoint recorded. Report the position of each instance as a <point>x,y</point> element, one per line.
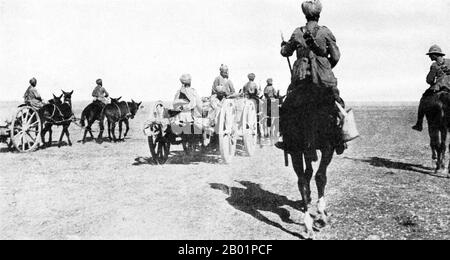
<point>421,112</point>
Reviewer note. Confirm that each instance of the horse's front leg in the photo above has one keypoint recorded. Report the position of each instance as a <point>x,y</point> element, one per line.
<point>68,135</point>
<point>297,161</point>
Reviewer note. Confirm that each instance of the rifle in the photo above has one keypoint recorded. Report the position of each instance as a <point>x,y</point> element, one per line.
<point>286,155</point>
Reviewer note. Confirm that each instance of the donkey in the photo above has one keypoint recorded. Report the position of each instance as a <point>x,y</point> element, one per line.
<point>93,112</point>
<point>119,113</point>
<point>57,113</point>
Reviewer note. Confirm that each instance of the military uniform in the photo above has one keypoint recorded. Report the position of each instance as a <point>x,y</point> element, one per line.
<point>438,78</point>
<point>33,98</point>
<point>312,81</point>
<point>222,87</point>
<point>100,94</point>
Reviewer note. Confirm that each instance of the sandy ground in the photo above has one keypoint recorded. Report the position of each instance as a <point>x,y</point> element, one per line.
<point>381,188</point>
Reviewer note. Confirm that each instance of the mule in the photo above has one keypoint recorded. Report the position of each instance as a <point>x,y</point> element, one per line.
<point>119,113</point>
<point>91,114</point>
<point>58,113</point>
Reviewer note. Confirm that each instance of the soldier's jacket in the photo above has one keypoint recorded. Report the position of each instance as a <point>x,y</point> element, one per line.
<point>313,63</point>
<point>100,92</point>
<point>250,89</point>
<point>222,87</point>
<point>31,94</point>
<point>269,92</point>
<point>192,103</point>
<point>439,75</point>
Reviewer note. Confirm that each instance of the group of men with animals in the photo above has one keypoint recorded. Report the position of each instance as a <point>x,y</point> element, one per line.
<point>311,116</point>
<point>58,111</point>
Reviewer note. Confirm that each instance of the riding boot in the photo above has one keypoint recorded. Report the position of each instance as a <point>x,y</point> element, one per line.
<point>419,125</point>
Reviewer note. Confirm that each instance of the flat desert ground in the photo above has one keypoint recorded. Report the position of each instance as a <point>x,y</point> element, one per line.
<point>383,187</point>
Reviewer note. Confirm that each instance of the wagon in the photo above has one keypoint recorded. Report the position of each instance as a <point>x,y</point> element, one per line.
<point>24,131</point>
<point>235,120</point>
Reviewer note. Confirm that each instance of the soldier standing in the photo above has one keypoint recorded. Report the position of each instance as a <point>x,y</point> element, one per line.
<point>438,78</point>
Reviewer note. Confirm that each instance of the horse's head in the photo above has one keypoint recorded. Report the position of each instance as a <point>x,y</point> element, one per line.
<point>115,100</point>
<point>67,97</point>
<point>56,100</point>
<point>134,107</point>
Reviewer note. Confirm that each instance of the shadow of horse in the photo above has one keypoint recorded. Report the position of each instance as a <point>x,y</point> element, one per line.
<point>389,164</point>
<point>252,199</point>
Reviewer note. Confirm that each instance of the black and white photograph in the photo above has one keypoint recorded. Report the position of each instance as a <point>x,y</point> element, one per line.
<point>224,120</point>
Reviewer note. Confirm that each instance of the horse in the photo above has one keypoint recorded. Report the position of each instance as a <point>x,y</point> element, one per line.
<point>437,112</point>
<point>92,113</point>
<point>309,123</point>
<point>119,113</point>
<point>57,113</point>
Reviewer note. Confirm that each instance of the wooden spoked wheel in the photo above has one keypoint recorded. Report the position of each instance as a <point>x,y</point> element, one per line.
<point>227,131</point>
<point>26,130</point>
<point>250,127</point>
<point>159,149</point>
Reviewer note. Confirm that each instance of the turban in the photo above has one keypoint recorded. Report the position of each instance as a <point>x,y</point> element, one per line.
<point>223,68</point>
<point>251,76</point>
<point>312,8</point>
<point>99,82</point>
<point>33,81</point>
<point>269,81</point>
<point>186,79</point>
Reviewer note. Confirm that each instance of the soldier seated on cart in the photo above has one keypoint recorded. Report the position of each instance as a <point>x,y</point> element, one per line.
<point>222,88</point>
<point>188,107</point>
<point>32,97</point>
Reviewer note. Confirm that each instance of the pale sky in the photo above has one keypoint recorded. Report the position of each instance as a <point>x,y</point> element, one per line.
<point>141,47</point>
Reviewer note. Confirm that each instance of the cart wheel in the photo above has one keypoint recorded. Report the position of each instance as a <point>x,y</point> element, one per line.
<point>26,130</point>
<point>159,149</point>
<point>227,131</point>
<point>250,127</point>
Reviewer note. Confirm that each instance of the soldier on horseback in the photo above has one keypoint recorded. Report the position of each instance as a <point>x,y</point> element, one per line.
<point>100,94</point>
<point>317,54</point>
<point>438,78</point>
<point>32,97</point>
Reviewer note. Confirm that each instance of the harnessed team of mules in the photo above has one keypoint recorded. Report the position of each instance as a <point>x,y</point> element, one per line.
<point>30,125</point>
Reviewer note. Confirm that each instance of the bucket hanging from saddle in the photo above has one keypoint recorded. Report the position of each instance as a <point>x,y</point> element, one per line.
<point>349,129</point>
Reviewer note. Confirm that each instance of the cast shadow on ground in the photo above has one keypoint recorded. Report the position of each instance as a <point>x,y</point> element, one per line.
<point>252,199</point>
<point>180,158</point>
<point>389,164</point>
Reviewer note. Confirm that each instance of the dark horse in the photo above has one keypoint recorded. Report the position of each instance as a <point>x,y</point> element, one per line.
<point>119,113</point>
<point>59,113</point>
<point>437,110</point>
<point>309,123</point>
<point>93,112</point>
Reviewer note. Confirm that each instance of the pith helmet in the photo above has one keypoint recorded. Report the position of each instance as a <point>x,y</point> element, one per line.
<point>186,79</point>
<point>435,49</point>
<point>312,8</point>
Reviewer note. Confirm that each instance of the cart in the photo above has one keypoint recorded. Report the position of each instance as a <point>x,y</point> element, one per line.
<point>235,120</point>
<point>24,131</point>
